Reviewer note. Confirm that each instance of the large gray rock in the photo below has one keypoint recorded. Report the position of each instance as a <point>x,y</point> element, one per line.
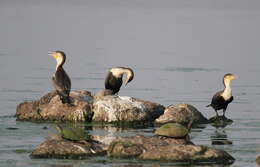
<point>167,149</point>
<point>102,108</point>
<point>125,109</point>
<point>65,149</point>
<point>182,114</point>
<point>50,108</point>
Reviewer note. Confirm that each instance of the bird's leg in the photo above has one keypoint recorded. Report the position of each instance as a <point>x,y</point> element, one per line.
<point>224,110</point>
<point>216,114</point>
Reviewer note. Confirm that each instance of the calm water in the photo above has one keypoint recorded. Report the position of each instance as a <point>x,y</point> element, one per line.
<point>178,49</point>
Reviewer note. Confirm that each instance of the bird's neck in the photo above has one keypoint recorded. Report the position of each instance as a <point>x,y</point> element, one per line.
<point>227,93</point>
<point>118,72</point>
<point>60,62</point>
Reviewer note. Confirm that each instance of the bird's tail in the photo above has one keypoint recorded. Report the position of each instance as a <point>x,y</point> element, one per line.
<point>208,105</point>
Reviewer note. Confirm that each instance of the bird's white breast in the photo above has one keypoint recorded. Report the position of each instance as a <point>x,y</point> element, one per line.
<point>227,93</point>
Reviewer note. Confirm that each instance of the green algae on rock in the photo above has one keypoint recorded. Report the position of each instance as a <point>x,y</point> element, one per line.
<point>74,133</point>
<point>172,130</point>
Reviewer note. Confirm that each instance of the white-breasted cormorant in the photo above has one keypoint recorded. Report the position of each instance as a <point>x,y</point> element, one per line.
<point>114,78</point>
<point>222,98</point>
<point>61,80</point>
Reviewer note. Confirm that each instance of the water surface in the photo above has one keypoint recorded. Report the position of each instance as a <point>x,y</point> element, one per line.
<point>179,51</point>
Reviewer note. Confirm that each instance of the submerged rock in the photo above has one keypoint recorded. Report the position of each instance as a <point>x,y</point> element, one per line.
<point>174,130</point>
<point>65,149</point>
<point>220,121</point>
<point>50,108</point>
<point>125,109</point>
<point>182,114</point>
<point>167,149</point>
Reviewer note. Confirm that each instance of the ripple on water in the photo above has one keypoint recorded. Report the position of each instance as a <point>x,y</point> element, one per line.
<point>190,69</point>
<point>87,78</point>
<point>20,91</point>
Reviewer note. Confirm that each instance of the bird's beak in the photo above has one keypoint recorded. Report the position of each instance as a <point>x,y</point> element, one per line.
<point>50,53</point>
<point>126,82</point>
<point>235,77</point>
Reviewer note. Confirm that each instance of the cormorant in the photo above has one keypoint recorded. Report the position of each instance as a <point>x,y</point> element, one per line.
<point>222,98</point>
<point>61,80</point>
<point>114,78</point>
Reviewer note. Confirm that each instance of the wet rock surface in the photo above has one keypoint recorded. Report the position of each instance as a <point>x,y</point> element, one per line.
<point>50,108</point>
<point>167,149</point>
<point>153,148</point>
<point>125,109</point>
<point>64,149</point>
<point>182,114</point>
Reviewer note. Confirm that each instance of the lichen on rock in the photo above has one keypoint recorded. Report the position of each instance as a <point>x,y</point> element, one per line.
<point>64,149</point>
<point>125,109</point>
<point>50,108</point>
<point>159,148</point>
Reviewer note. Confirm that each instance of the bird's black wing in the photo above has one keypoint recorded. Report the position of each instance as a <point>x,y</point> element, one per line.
<point>107,84</point>
<point>113,83</point>
<point>61,82</point>
<point>217,101</point>
<point>230,100</point>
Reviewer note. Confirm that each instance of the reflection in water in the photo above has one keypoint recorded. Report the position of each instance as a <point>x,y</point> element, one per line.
<point>220,138</point>
<point>104,133</point>
<point>107,134</point>
<point>60,166</point>
<point>168,165</point>
<point>190,69</point>
<point>220,121</point>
